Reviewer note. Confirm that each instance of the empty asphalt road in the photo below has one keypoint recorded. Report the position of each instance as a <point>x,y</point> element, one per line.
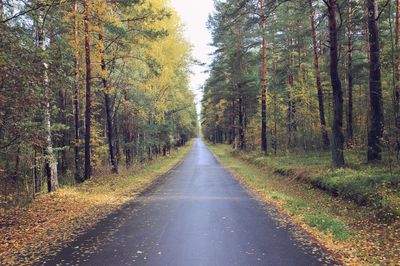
<point>197,215</point>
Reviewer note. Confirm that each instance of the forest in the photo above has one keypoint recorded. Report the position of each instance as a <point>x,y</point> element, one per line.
<point>88,88</point>
<point>305,75</point>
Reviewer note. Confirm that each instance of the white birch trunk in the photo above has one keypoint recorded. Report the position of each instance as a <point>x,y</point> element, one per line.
<point>50,159</point>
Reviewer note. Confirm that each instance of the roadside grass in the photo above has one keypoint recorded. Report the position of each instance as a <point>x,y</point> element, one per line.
<point>314,217</point>
<point>376,185</point>
<point>340,223</point>
<point>52,220</point>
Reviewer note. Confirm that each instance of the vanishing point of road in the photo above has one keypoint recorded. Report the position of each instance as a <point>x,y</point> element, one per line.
<point>198,214</point>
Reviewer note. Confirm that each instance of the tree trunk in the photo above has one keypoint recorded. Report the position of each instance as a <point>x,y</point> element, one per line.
<point>77,157</point>
<point>325,136</point>
<point>36,175</point>
<point>233,130</point>
<point>17,160</point>
<point>349,128</point>
<point>263,82</point>
<point>107,103</point>
<point>338,137</point>
<point>88,111</point>
<point>62,110</point>
<point>65,133</point>
<point>299,62</point>
<point>117,138</point>
<point>1,10</point>
<point>274,139</point>
<point>290,115</point>
<point>241,124</point>
<point>50,159</point>
<point>375,132</point>
<point>239,69</point>
<point>397,57</point>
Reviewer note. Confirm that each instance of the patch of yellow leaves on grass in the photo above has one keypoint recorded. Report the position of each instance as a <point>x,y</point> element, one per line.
<point>52,220</point>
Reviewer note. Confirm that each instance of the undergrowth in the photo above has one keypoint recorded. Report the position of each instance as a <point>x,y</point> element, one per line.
<point>373,185</point>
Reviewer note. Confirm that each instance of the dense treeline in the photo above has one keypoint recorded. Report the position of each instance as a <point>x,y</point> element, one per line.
<point>88,85</point>
<point>305,75</point>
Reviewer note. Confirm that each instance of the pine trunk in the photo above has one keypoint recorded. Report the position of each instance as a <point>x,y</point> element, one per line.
<point>107,105</point>
<point>397,65</point>
<point>325,136</point>
<point>77,158</point>
<point>338,137</point>
<point>88,111</point>
<point>233,129</point>
<point>375,132</point>
<point>117,138</point>
<point>1,10</point>
<point>263,82</point>
<point>241,124</point>
<point>290,115</point>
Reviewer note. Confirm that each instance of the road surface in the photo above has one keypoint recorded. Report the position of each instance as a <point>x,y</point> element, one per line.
<point>197,215</point>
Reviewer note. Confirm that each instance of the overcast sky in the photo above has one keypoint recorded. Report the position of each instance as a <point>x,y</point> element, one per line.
<point>194,15</point>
